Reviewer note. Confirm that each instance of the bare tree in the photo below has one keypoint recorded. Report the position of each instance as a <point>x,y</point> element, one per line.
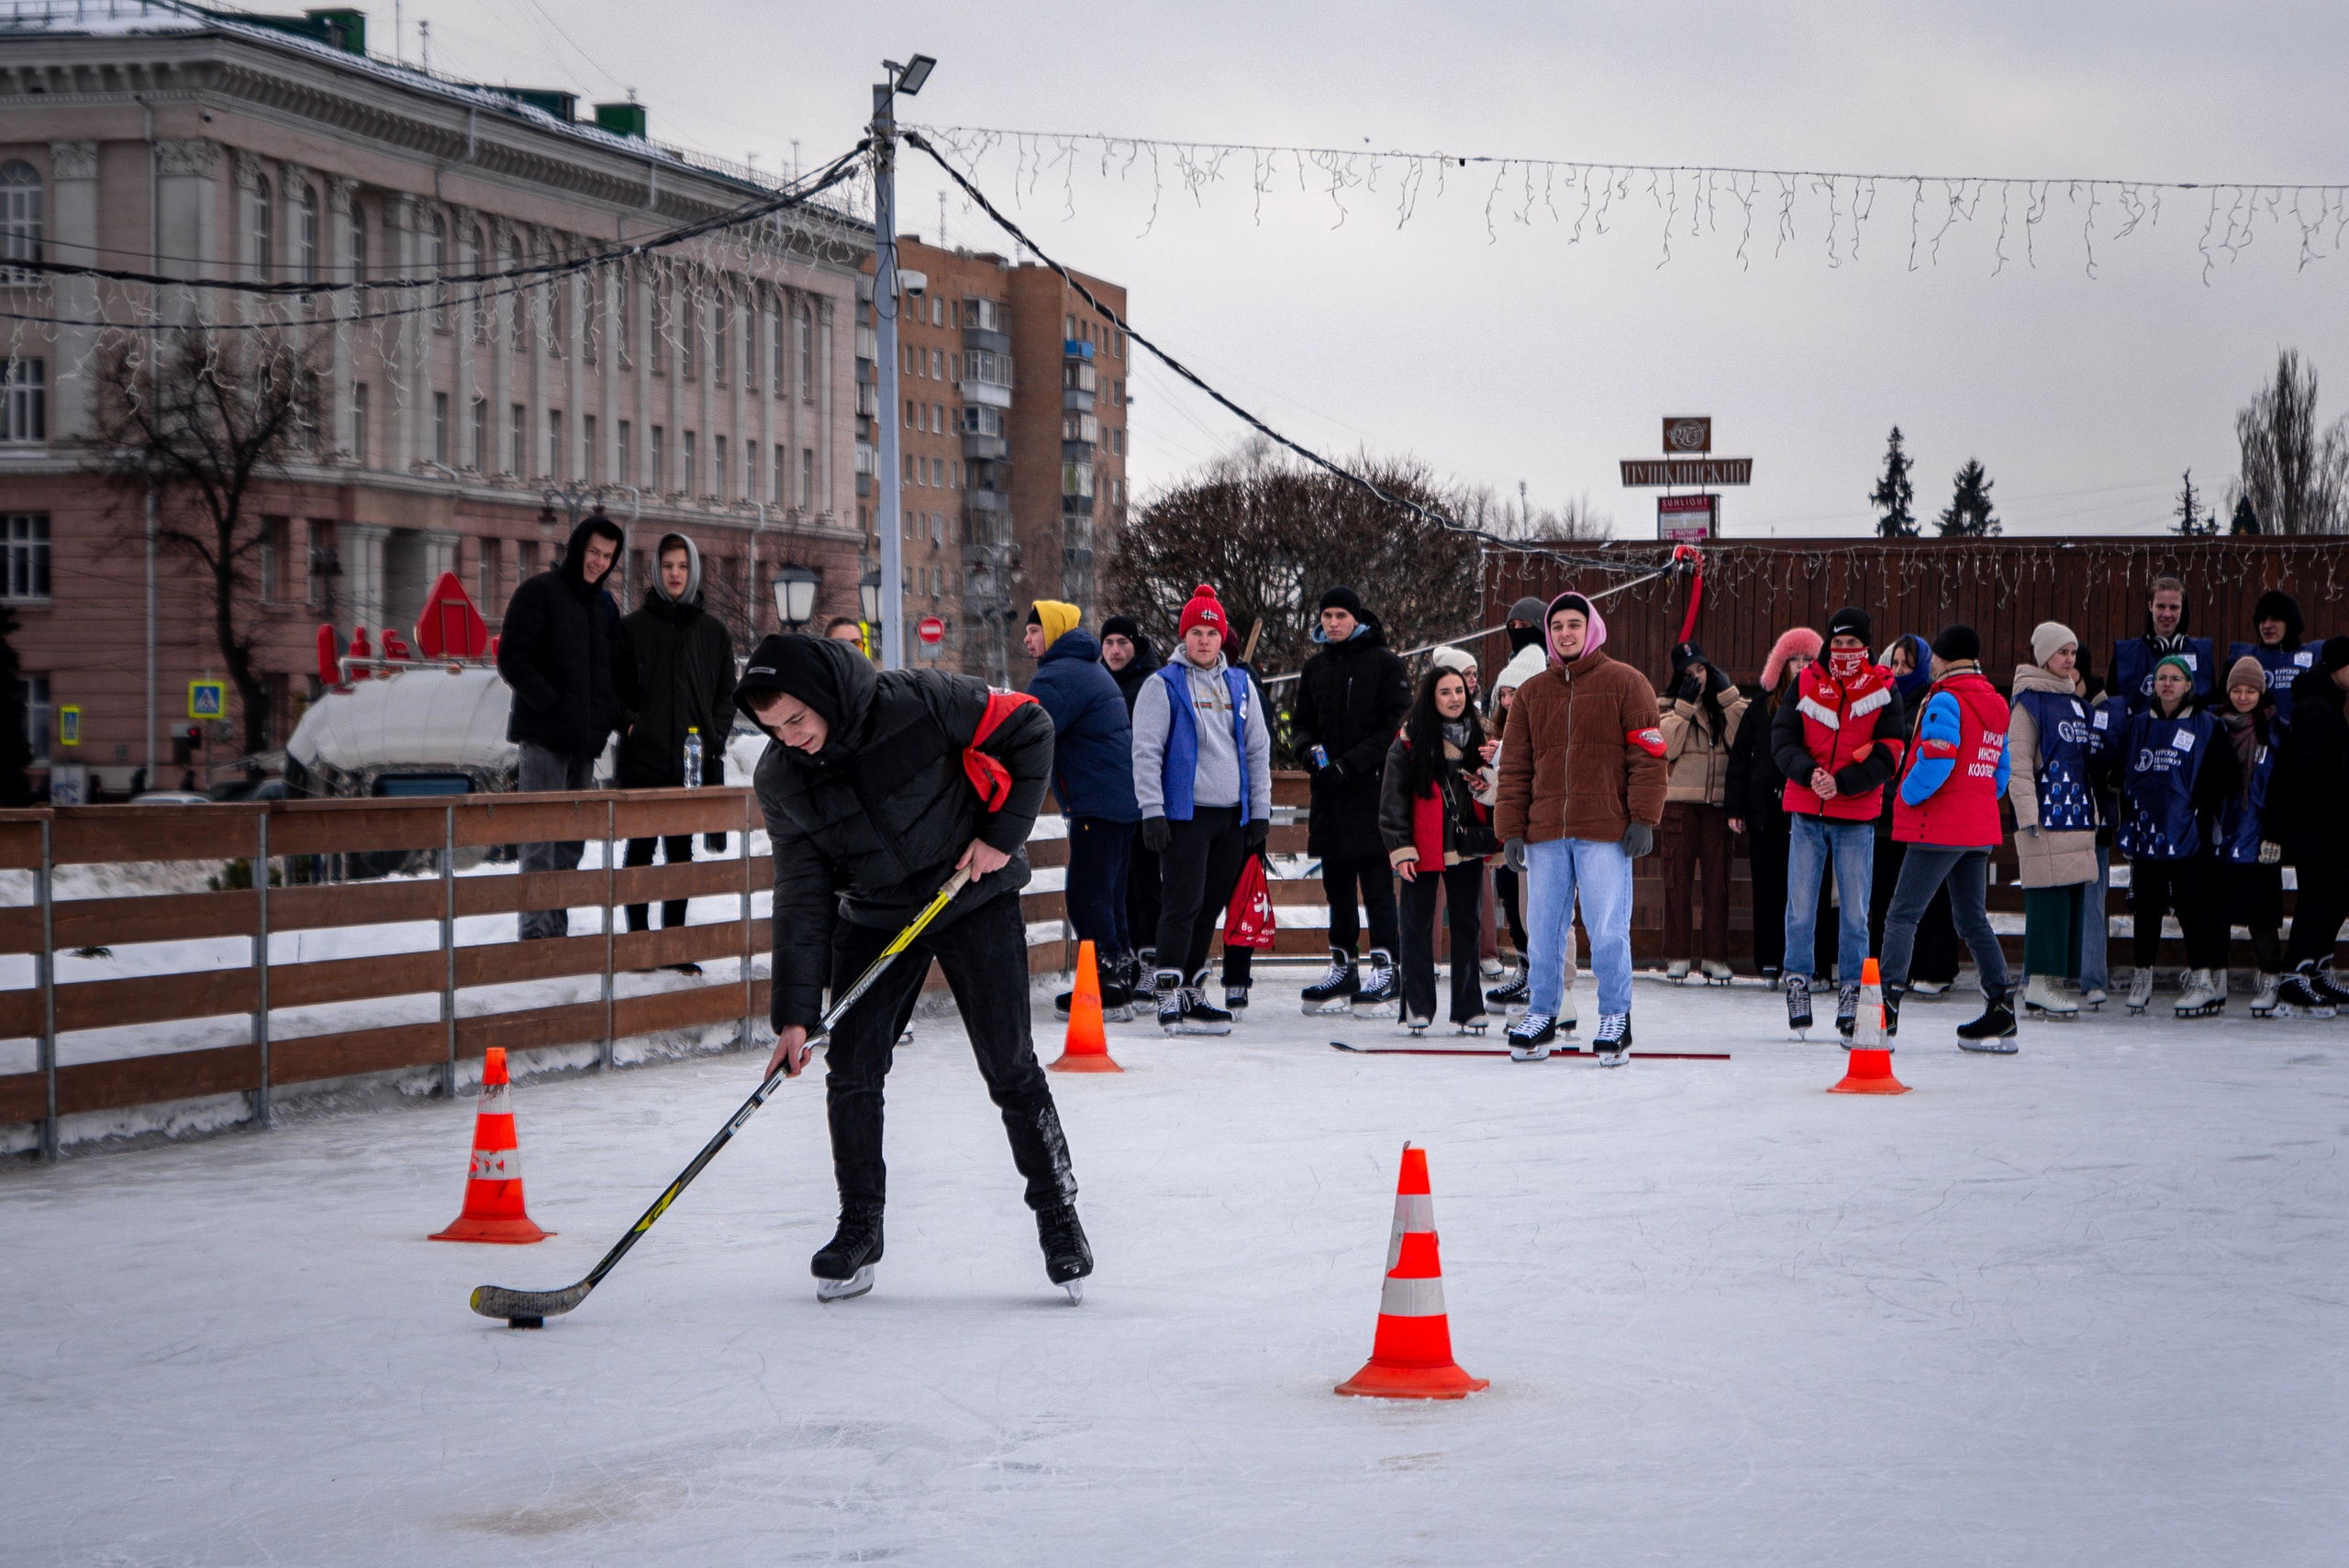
<point>208,419</point>
<point>2295,476</point>
<point>1573,519</point>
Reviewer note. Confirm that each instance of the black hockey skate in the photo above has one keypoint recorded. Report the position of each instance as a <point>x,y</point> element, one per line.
<point>1512,991</point>
<point>1993,1032</point>
<point>1068,1258</point>
<point>1529,1037</point>
<point>1382,990</point>
<point>1847,1010</point>
<point>2300,995</point>
<point>1612,1044</point>
<point>1798,1005</point>
<point>1335,991</point>
<point>843,1269</point>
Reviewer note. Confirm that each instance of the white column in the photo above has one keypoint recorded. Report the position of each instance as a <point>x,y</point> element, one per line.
<point>73,238</point>
<point>187,176</point>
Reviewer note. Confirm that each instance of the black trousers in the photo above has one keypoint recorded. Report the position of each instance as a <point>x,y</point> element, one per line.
<point>1142,893</point>
<point>1375,877</point>
<point>2187,889</point>
<point>1098,854</point>
<point>2318,908</point>
<point>1765,851</point>
<point>2256,901</point>
<point>1197,871</point>
<point>985,956</point>
<point>1936,953</point>
<point>676,850</point>
<point>1505,890</point>
<point>1463,889</point>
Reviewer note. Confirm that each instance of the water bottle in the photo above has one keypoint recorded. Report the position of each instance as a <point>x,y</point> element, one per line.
<point>693,758</point>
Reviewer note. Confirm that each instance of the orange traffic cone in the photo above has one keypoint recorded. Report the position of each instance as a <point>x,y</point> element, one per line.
<point>1086,1049</point>
<point>494,1210</point>
<point>1411,1356</point>
<point>1869,1068</point>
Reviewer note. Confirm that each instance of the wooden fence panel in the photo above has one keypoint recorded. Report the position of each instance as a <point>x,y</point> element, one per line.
<point>143,1080</point>
<point>352,827</point>
<point>643,814</point>
<point>305,1058</point>
<point>20,840</point>
<point>92,835</point>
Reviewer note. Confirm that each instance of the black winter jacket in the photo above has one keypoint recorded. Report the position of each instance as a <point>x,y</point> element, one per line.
<point>561,653</point>
<point>2304,804</point>
<point>1140,668</point>
<point>1352,699</point>
<point>682,661</point>
<point>867,828</point>
<point>1756,792</point>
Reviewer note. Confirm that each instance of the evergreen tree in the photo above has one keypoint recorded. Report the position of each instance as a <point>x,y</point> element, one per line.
<point>2246,521</point>
<point>2193,522</point>
<point>15,746</point>
<point>1968,515</point>
<point>1894,494</point>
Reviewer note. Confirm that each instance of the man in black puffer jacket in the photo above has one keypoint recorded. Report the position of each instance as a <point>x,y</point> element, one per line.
<point>2305,815</point>
<point>560,652</point>
<point>871,790</point>
<point>683,665</point>
<point>1352,699</point>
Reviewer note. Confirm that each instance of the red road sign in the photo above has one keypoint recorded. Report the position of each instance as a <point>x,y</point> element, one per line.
<point>930,629</point>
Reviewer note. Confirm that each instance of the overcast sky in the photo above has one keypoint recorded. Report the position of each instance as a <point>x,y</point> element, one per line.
<point>1526,358</point>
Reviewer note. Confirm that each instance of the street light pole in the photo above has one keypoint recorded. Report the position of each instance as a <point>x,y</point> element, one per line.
<point>888,520</point>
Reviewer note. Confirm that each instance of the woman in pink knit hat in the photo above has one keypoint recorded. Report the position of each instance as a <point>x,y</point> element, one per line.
<point>1755,802</point>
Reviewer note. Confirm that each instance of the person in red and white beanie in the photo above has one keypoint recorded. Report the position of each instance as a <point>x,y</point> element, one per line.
<point>1203,776</point>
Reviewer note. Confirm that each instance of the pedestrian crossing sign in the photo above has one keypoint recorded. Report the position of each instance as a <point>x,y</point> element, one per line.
<point>207,699</point>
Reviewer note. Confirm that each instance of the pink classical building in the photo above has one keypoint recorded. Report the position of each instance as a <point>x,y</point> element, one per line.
<point>710,387</point>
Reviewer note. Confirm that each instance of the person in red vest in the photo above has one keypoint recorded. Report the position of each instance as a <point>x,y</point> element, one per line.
<point>1838,743</point>
<point>1946,812</point>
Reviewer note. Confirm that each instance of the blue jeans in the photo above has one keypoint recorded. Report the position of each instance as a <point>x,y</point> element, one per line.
<point>1812,842</point>
<point>1922,872</point>
<point>2094,976</point>
<point>1555,873</point>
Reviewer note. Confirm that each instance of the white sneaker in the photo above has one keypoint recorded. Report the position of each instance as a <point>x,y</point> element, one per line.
<point>2141,990</point>
<point>2041,997</point>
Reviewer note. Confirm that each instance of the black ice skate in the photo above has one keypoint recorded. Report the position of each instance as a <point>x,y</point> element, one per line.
<point>1612,1044</point>
<point>1847,1010</point>
<point>1382,990</point>
<point>1529,1037</point>
<point>1335,991</point>
<point>1067,1256</point>
<point>1199,1014</point>
<point>1510,992</point>
<point>843,1269</point>
<point>1993,1032</point>
<point>1798,1006</point>
<point>2298,995</point>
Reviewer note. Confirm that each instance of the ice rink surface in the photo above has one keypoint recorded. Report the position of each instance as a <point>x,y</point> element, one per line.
<point>2081,1306</point>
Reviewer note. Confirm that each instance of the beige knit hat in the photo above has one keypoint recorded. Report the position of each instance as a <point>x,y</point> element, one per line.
<point>2247,672</point>
<point>2047,638</point>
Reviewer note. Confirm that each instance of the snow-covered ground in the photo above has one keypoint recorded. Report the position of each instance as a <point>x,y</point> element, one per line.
<point>2081,1306</point>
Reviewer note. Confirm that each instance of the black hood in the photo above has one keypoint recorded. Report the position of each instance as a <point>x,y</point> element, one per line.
<point>827,674</point>
<point>575,554</point>
<point>2277,604</point>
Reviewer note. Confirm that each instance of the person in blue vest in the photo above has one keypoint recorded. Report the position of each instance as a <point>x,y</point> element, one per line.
<point>1203,777</point>
<point>2054,744</point>
<point>2251,861</point>
<point>2177,771</point>
<point>2167,618</point>
<point>1092,778</point>
<point>2280,653</point>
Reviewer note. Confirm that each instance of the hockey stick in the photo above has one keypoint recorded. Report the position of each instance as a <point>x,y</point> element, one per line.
<point>532,1308</point>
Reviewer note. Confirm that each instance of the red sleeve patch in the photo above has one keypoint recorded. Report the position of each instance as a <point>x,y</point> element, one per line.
<point>1650,739</point>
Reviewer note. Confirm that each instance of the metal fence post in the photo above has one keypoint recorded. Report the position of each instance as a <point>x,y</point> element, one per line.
<point>46,962</point>
<point>612,955</point>
<point>448,951</point>
<point>750,1030</point>
<point>262,1112</point>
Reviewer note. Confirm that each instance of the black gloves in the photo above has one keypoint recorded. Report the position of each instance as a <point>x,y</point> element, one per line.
<point>1638,839</point>
<point>714,842</point>
<point>1156,834</point>
<point>1255,833</point>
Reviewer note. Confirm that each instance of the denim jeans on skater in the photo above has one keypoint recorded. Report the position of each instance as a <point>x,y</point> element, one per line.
<point>1813,843</point>
<point>1967,872</point>
<point>2094,927</point>
<point>1555,873</point>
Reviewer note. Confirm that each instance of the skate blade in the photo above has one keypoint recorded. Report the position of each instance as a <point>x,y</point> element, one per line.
<point>1203,1030</point>
<point>847,1289</point>
<point>1328,1009</point>
<point>1529,1053</point>
<point>2209,1011</point>
<point>2294,1010</point>
<point>1373,1009</point>
<point>2002,1046</point>
<point>1620,1058</point>
<point>2051,1015</point>
<point>1076,1289</point>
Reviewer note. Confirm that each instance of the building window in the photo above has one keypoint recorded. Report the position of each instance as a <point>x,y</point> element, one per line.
<point>780,493</point>
<point>720,328</point>
<point>689,332</point>
<point>517,435</point>
<point>261,228</point>
<point>33,690</point>
<point>440,427</point>
<point>24,400</point>
<point>806,478</point>
<point>359,424</point>
<point>308,237</point>
<point>750,471</point>
<point>690,473</point>
<point>750,343</point>
<point>591,450</point>
<point>623,470</point>
<point>481,435</point>
<point>913,469</point>
<point>519,300</point>
<point>476,257</point>
<point>801,339</point>
<point>488,552</point>
<point>781,369</point>
<point>439,270</point>
<point>913,420</point>
<point>21,221</point>
<point>276,534</point>
<point>657,477</point>
<point>358,241</point>
<point>717,461</point>
<point>557,463</point>
<point>24,569</point>
<point>624,282</point>
<point>558,293</point>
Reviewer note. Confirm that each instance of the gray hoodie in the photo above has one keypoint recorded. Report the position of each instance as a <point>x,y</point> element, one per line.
<point>1217,780</point>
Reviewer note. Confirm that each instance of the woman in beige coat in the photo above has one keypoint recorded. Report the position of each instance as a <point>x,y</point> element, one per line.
<point>2052,740</point>
<point>1701,712</point>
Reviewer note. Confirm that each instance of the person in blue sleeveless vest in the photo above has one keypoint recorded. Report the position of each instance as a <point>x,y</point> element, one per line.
<point>2176,773</point>
<point>2052,743</point>
<point>2167,618</point>
<point>2252,861</point>
<point>1203,776</point>
<point>2280,653</point>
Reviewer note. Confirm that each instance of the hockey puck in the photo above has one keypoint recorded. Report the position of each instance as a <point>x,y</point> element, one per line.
<point>526,1322</point>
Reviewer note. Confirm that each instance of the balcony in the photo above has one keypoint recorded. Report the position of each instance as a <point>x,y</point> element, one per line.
<point>989,501</point>
<point>986,394</point>
<point>1077,452</point>
<point>980,337</point>
<point>1079,430</point>
<point>1076,348</point>
<point>1075,400</point>
<point>986,448</point>
<point>1077,506</point>
<point>987,315</point>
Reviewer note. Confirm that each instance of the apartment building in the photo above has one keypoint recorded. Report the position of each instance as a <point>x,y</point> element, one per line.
<point>1012,431</point>
<point>708,387</point>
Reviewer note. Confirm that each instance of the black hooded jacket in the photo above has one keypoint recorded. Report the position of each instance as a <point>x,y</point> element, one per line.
<point>867,830</point>
<point>1352,699</point>
<point>1140,668</point>
<point>2304,812</point>
<point>561,650</point>
<point>682,664</point>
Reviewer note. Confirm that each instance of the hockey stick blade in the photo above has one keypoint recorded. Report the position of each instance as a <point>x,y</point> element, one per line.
<point>532,1308</point>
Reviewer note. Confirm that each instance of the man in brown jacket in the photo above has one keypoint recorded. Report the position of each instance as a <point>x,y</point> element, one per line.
<point>1581,789</point>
